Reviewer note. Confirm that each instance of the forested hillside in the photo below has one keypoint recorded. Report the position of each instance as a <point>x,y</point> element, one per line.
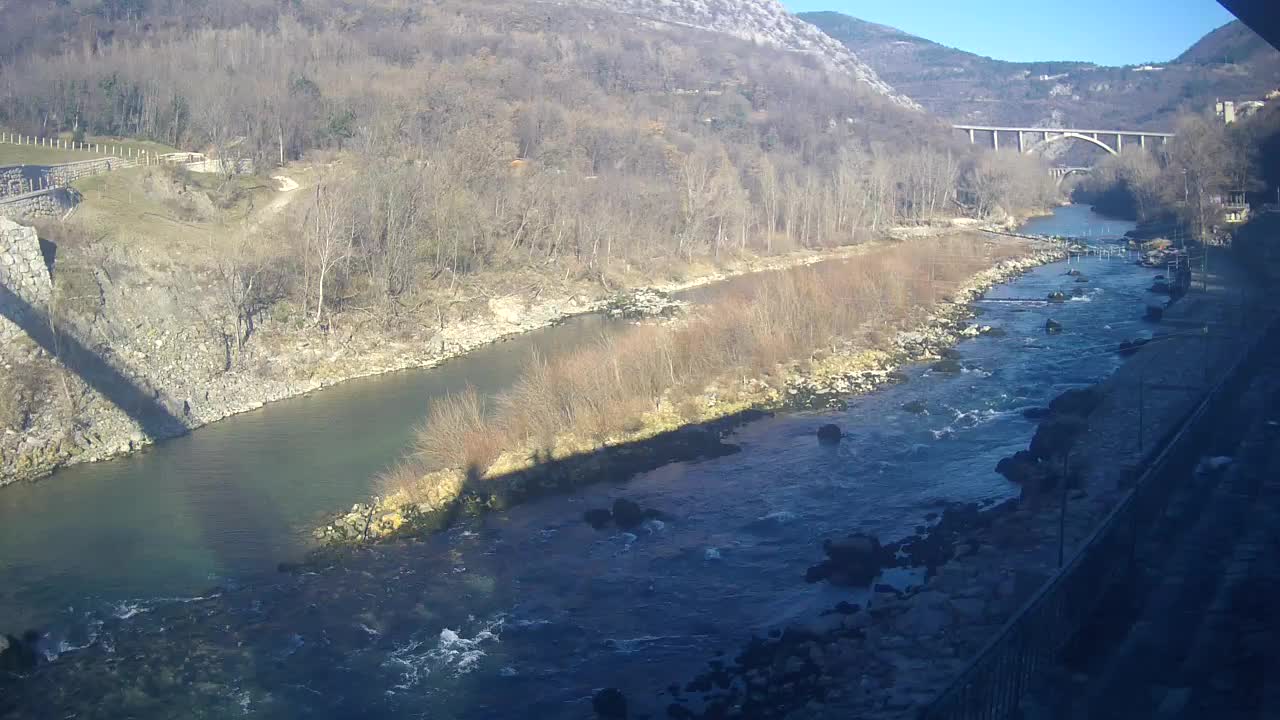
<point>499,133</point>
<point>1231,63</point>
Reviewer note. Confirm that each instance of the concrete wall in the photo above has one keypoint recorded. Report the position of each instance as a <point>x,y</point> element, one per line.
<point>53,202</point>
<point>24,273</point>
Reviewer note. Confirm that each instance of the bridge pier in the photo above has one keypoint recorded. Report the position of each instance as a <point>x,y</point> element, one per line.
<point>1119,143</point>
<point>1021,146</point>
<point>970,136</point>
<point>995,140</point>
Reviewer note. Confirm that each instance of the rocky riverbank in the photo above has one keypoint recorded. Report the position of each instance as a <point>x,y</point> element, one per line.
<point>848,369</point>
<point>891,655</point>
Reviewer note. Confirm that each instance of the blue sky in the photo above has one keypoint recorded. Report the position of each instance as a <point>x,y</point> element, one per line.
<point>1108,32</point>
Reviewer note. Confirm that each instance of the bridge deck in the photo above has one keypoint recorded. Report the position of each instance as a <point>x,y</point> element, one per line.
<point>993,128</point>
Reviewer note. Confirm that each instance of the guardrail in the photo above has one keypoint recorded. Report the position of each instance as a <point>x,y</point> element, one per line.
<point>993,683</point>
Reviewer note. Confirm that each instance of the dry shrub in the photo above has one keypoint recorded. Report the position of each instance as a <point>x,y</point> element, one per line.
<point>457,433</point>
<point>404,477</point>
<point>604,388</point>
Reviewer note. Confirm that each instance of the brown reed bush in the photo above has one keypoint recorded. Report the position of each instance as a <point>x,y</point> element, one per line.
<point>603,389</point>
<point>458,434</point>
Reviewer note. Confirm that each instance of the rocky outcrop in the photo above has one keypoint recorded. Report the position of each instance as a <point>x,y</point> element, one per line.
<point>759,21</point>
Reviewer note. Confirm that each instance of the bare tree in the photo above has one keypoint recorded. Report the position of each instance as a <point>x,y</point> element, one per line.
<point>329,233</point>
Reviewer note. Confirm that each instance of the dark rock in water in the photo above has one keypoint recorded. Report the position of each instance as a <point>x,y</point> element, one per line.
<point>598,518</point>
<point>829,434</point>
<point>1052,327</point>
<point>1154,313</point>
<point>852,561</point>
<point>946,366</point>
<point>1077,292</point>
<point>887,589</point>
<point>610,704</point>
<point>1076,401</point>
<point>846,608</point>
<point>1018,468</point>
<point>949,354</point>
<point>1036,413</point>
<point>1162,287</point>
<point>915,406</point>
<point>627,514</point>
<point>19,655</point>
<point>1056,297</point>
<point>1074,273</point>
<point>995,332</point>
<point>1159,277</point>
<point>1082,279</point>
<point>1055,436</point>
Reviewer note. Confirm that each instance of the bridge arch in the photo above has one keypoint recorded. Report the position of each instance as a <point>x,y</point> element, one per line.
<point>1067,172</point>
<point>1075,136</point>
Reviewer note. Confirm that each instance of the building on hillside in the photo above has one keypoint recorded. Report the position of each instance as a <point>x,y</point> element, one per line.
<point>1225,110</point>
<point>1235,207</point>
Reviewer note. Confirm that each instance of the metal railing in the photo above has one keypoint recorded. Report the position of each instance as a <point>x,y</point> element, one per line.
<point>991,686</point>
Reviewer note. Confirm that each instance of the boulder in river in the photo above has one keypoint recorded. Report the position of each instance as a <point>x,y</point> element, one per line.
<point>1082,279</point>
<point>1055,436</point>
<point>949,365</point>
<point>609,704</point>
<point>1018,468</point>
<point>1036,413</point>
<point>19,655</point>
<point>627,514</point>
<point>1056,297</point>
<point>853,561</point>
<point>916,407</point>
<point>829,434</point>
<point>1052,327</point>
<point>598,518</point>
<point>1076,401</point>
<point>1154,313</point>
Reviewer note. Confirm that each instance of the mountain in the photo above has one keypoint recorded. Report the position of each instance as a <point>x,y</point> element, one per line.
<point>1231,62</point>
<point>1233,43</point>
<point>761,21</point>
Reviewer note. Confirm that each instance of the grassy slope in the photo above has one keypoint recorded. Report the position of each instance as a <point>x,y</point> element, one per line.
<point>36,155</point>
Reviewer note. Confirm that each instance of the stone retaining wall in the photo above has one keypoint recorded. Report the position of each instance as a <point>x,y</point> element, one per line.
<point>24,273</point>
<point>24,179</point>
<point>53,202</point>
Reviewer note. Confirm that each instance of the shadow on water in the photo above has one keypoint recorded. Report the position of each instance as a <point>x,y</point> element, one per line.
<point>143,406</point>
<point>353,632</point>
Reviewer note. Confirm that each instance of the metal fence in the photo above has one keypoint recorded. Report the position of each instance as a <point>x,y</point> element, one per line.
<point>992,684</point>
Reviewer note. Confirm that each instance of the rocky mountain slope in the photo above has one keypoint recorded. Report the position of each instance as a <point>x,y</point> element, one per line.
<point>1231,62</point>
<point>762,21</point>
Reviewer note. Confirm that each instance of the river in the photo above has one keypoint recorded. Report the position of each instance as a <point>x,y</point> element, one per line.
<point>531,601</point>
